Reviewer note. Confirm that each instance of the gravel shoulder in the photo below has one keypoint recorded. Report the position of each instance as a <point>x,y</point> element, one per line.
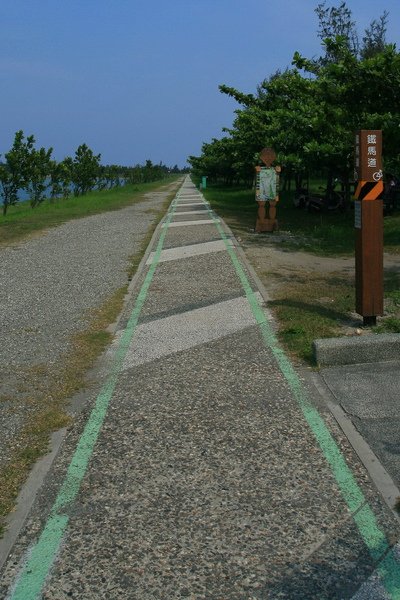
<point>48,287</point>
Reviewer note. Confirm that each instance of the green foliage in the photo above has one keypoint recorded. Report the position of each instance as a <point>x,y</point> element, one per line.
<point>109,177</point>
<point>14,173</point>
<point>33,170</point>
<point>374,40</point>
<point>85,169</point>
<point>336,22</point>
<point>60,179</point>
<point>309,113</point>
<point>38,172</point>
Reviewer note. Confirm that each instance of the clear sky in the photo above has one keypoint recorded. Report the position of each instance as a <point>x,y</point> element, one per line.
<point>138,79</point>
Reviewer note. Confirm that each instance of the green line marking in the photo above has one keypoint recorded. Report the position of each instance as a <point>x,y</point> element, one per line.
<point>364,518</point>
<point>42,555</point>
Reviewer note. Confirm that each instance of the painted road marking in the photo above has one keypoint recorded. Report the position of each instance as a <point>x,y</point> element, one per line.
<point>363,516</point>
<point>191,212</point>
<point>188,329</point>
<point>180,252</point>
<point>192,204</point>
<point>187,223</point>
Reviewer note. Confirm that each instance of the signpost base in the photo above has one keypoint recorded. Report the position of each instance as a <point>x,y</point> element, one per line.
<point>266,225</point>
<point>369,261</point>
<point>369,321</point>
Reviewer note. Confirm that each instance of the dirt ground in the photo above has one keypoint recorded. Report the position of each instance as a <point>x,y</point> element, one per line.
<point>278,267</point>
<point>264,253</point>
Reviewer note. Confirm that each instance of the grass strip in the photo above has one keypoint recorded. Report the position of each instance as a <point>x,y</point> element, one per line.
<point>324,234</point>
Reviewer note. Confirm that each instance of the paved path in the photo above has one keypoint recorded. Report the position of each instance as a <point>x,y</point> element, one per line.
<point>205,467</point>
<point>49,285</point>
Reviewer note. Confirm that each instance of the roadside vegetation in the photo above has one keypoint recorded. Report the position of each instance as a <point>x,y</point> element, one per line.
<point>30,170</point>
<point>310,112</point>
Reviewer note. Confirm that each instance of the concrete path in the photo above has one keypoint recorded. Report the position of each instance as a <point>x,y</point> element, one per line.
<point>206,467</point>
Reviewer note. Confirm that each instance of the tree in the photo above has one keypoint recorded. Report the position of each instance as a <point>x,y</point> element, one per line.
<point>135,174</point>
<point>355,94</point>
<point>60,178</point>
<point>309,113</point>
<point>336,22</point>
<point>14,173</point>
<point>374,40</point>
<point>85,170</point>
<point>38,172</point>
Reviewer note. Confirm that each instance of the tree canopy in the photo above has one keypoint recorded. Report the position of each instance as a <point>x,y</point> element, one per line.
<point>310,111</point>
<point>26,168</point>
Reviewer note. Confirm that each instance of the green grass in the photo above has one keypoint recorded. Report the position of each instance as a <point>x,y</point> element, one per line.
<point>320,233</point>
<point>22,221</point>
<point>312,307</point>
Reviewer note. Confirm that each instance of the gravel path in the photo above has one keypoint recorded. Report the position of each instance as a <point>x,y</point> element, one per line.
<point>209,468</point>
<point>47,286</point>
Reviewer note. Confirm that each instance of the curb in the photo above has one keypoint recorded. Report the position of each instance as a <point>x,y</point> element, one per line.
<point>330,352</point>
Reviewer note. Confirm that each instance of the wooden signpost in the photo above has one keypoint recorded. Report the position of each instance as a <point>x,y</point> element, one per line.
<point>368,223</point>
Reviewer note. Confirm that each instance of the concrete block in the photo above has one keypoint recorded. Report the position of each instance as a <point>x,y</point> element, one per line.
<point>356,350</point>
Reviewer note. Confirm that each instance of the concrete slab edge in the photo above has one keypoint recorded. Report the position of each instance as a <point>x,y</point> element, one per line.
<point>26,497</point>
<point>356,350</point>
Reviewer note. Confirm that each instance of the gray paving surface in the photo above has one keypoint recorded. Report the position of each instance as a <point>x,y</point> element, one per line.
<point>370,395</point>
<point>48,285</point>
<point>206,481</point>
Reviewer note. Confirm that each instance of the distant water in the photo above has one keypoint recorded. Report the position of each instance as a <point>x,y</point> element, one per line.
<point>23,195</point>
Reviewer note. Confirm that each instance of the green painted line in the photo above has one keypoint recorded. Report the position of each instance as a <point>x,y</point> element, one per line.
<point>364,518</point>
<point>41,557</point>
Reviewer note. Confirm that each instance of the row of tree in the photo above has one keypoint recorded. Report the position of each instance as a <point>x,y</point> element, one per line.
<point>310,112</point>
<point>33,170</point>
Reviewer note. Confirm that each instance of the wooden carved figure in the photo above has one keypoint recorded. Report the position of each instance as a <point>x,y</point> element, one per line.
<point>267,188</point>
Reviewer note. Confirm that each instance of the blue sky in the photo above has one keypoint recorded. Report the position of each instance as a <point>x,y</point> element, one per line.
<point>136,79</point>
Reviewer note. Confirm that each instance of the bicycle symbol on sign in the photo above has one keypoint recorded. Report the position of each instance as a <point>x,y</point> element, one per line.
<point>378,175</point>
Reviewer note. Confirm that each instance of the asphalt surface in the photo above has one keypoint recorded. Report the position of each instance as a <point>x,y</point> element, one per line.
<point>206,466</point>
